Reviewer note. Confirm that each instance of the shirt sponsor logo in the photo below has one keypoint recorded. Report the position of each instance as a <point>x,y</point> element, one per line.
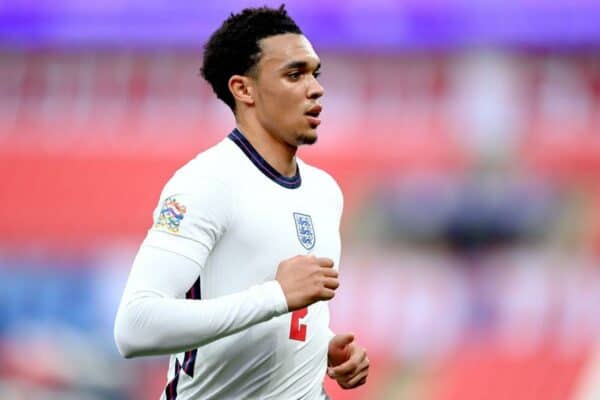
<point>171,215</point>
<point>305,230</point>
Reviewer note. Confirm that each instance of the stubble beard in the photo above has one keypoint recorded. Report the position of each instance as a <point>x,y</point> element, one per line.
<point>307,139</point>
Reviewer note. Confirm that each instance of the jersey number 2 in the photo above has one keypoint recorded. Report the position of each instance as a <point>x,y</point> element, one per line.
<point>298,330</point>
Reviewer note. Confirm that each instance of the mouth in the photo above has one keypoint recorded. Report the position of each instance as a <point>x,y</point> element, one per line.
<point>313,115</point>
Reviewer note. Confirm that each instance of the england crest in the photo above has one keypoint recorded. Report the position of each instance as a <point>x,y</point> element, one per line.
<point>305,230</point>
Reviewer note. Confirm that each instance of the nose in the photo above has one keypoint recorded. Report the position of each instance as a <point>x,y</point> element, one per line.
<point>315,90</point>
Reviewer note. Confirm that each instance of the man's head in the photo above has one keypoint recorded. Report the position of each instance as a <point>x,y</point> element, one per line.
<point>262,66</point>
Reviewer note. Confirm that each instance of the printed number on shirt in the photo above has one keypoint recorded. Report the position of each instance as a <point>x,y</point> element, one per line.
<point>297,329</point>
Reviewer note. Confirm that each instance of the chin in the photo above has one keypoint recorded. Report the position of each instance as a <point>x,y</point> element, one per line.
<point>307,138</point>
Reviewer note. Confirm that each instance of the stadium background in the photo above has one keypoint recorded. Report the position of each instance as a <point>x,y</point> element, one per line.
<point>465,135</point>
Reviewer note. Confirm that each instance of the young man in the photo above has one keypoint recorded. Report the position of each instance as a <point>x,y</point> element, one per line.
<point>234,275</point>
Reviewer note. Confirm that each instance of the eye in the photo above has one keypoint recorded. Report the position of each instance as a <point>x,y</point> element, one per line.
<point>294,75</point>
<point>317,74</point>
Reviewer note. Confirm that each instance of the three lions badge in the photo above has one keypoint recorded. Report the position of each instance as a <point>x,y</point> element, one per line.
<point>305,230</point>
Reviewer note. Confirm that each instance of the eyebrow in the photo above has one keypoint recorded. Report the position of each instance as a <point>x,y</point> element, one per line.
<point>300,65</point>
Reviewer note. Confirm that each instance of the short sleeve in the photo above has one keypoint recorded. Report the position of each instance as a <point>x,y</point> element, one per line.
<point>190,217</point>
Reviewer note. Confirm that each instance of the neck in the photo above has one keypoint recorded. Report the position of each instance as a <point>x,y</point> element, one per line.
<point>279,154</point>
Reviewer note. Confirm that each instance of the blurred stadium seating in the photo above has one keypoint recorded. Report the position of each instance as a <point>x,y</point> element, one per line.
<point>471,170</point>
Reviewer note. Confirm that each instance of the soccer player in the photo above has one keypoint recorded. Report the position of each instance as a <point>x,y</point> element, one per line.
<point>234,276</point>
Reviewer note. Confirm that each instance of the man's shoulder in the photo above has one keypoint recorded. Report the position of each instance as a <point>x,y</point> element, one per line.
<point>310,172</point>
<point>208,170</point>
<point>320,178</point>
<point>212,163</point>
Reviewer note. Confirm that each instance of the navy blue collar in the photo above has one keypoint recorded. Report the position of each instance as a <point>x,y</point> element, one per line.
<point>290,183</point>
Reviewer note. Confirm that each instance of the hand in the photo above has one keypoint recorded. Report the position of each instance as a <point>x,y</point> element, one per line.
<point>347,362</point>
<point>306,280</point>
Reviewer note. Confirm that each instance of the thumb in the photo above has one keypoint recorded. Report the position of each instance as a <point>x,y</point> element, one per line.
<point>342,340</point>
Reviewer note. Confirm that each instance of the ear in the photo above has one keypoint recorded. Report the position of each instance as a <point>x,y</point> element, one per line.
<point>242,89</point>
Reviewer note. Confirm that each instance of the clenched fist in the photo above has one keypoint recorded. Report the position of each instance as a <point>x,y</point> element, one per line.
<point>306,280</point>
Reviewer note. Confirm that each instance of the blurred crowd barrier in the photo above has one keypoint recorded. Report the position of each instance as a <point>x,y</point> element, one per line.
<point>471,256</point>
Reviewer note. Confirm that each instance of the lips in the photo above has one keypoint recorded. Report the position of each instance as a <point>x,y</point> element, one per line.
<point>313,115</point>
<point>314,111</point>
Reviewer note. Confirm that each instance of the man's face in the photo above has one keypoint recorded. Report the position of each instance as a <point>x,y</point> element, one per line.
<point>286,89</point>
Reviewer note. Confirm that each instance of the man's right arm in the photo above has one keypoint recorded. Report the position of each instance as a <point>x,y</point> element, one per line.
<point>152,320</point>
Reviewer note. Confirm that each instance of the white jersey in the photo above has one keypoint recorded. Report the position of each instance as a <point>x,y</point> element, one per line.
<point>235,216</point>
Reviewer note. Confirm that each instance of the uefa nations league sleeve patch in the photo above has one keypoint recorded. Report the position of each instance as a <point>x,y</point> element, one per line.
<point>171,215</point>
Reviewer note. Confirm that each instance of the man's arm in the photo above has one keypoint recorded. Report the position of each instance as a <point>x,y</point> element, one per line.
<point>151,319</point>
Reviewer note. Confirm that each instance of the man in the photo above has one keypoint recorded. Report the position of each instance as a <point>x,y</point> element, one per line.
<point>233,277</point>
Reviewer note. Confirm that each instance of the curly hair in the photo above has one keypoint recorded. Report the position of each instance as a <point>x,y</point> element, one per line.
<point>234,48</point>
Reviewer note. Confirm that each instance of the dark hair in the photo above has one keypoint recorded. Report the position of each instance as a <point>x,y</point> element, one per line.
<point>233,49</point>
